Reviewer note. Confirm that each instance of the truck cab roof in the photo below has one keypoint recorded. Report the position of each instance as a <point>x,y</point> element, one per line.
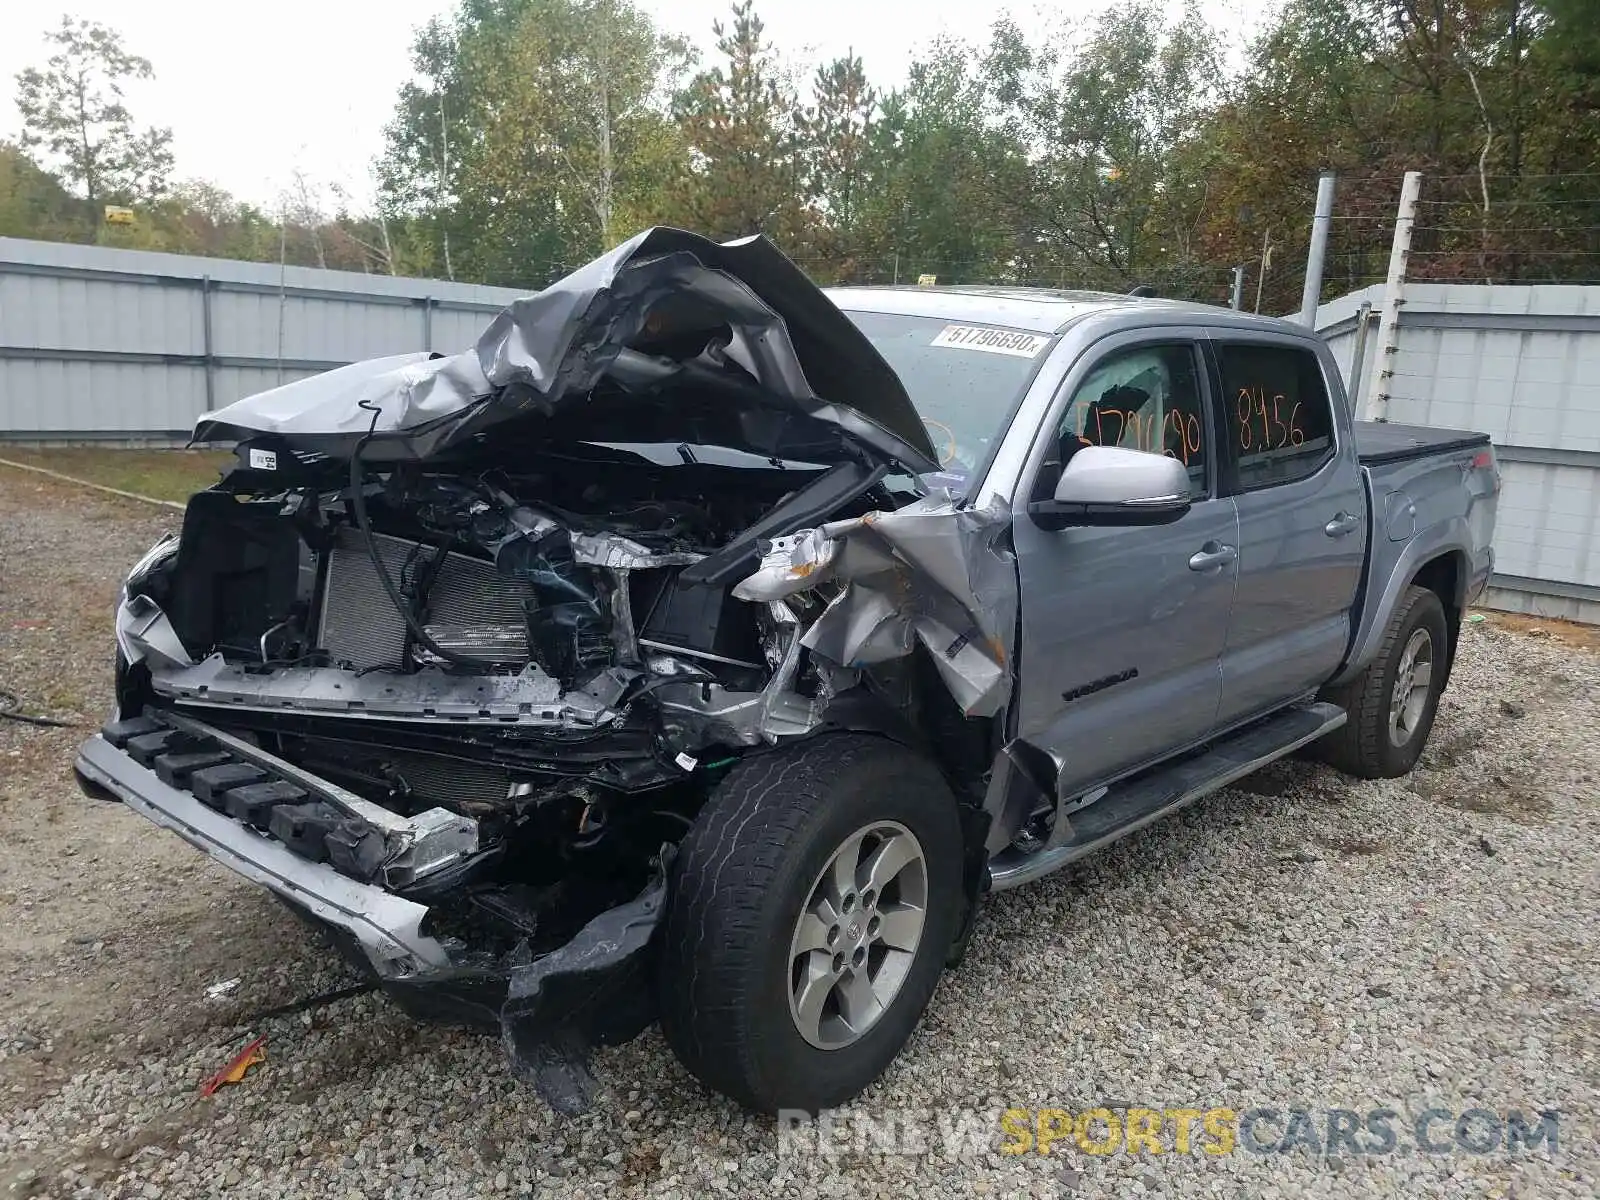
<point>1043,310</point>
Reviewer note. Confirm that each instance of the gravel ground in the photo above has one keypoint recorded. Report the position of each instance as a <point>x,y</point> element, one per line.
<point>1301,939</point>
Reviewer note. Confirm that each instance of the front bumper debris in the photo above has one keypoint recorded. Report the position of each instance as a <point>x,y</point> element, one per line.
<point>548,1010</point>
<point>318,820</point>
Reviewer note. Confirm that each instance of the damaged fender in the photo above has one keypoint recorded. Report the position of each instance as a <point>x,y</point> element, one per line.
<point>932,572</point>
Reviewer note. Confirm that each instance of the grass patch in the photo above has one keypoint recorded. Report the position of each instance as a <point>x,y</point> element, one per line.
<point>163,474</point>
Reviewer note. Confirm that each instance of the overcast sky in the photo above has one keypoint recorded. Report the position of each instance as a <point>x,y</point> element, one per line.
<point>253,93</point>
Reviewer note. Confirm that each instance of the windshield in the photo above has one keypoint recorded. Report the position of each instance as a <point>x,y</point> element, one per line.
<point>963,378</point>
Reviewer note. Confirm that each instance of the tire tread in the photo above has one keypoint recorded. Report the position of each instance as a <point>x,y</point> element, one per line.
<point>710,945</point>
<point>1358,747</point>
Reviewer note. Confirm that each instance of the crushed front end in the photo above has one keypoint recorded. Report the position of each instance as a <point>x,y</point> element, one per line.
<point>452,657</point>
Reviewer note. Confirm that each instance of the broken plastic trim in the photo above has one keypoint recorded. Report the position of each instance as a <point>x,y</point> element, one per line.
<point>593,991</point>
<point>413,847</point>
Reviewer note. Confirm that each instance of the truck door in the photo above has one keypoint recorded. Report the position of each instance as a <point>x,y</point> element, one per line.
<point>1123,627</point>
<point>1290,464</point>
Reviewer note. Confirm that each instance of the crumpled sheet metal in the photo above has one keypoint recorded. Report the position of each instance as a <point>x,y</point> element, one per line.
<point>619,553</point>
<point>548,350</point>
<point>421,403</point>
<point>931,572</point>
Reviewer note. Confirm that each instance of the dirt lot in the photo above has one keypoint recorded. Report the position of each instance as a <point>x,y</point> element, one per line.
<point>1301,940</point>
<point>163,474</point>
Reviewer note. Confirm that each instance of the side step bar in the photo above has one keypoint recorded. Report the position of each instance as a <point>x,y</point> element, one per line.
<point>1137,802</point>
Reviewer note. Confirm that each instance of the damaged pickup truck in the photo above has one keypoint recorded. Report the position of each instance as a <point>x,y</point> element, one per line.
<point>659,657</point>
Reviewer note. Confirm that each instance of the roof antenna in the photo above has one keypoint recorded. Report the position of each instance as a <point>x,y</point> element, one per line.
<point>1144,289</point>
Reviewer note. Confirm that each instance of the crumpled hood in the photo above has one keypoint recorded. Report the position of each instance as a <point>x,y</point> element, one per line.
<point>793,374</point>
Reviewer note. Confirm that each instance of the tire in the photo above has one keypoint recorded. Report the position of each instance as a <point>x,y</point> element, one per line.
<point>1367,746</point>
<point>729,979</point>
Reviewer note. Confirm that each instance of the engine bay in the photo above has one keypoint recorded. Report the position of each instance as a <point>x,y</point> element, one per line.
<point>571,676</point>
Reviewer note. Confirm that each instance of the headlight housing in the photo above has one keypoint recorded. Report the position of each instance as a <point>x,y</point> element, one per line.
<point>148,562</point>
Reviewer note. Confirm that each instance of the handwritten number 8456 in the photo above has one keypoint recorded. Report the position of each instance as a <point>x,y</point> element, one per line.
<point>1261,422</point>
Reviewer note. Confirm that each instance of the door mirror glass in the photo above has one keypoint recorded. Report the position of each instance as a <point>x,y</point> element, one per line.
<point>1112,485</point>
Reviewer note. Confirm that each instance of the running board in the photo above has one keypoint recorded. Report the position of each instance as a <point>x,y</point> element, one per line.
<point>1135,803</point>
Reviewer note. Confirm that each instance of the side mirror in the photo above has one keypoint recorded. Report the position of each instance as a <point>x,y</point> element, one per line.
<point>1112,485</point>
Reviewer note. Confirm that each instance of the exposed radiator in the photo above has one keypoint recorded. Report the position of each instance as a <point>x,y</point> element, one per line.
<point>430,779</point>
<point>469,604</point>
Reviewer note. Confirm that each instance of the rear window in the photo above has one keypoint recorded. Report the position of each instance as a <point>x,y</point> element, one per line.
<point>1280,423</point>
<point>964,378</point>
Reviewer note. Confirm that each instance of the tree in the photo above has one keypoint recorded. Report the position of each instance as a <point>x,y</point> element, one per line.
<point>33,204</point>
<point>576,103</point>
<point>941,169</point>
<point>1481,95</point>
<point>837,129</point>
<point>534,138</point>
<point>741,124</point>
<point>74,110</point>
<point>1104,121</point>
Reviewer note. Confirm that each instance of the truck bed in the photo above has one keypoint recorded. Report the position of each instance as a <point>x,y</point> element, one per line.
<point>1384,442</point>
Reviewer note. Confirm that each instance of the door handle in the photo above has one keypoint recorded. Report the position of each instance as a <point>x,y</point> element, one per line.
<point>1342,524</point>
<point>1212,557</point>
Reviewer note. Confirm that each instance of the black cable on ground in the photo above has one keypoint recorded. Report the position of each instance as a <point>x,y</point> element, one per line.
<point>317,1001</point>
<point>9,704</point>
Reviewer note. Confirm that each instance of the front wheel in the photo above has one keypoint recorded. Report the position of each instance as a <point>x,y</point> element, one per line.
<point>811,909</point>
<point>1393,701</point>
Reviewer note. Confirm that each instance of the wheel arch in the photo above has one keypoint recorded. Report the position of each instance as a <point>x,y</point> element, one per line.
<point>1437,559</point>
<point>908,703</point>
<point>1446,575</point>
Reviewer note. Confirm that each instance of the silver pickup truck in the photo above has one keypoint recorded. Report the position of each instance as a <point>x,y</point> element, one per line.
<point>699,646</point>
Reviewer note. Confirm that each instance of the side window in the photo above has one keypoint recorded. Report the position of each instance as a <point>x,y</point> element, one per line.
<point>1279,420</point>
<point>1148,398</point>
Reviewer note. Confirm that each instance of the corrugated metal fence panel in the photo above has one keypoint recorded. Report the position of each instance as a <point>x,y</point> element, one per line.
<point>129,315</point>
<point>235,383</point>
<point>1336,321</point>
<point>456,329</point>
<point>1546,523</point>
<point>1521,364</point>
<point>256,324</point>
<point>41,397</point>
<point>1528,375</point>
<point>96,342</point>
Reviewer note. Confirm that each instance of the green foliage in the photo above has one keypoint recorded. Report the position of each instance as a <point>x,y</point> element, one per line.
<point>1496,101</point>
<point>534,137</point>
<point>1103,152</point>
<point>940,171</point>
<point>74,112</point>
<point>32,201</point>
<point>741,125</point>
<point>1107,196</point>
<point>836,135</point>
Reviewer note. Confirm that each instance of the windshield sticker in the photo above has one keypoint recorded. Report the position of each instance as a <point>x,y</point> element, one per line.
<point>992,341</point>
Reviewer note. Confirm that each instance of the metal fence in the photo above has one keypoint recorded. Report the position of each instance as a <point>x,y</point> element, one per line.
<point>126,345</point>
<point>1522,364</point>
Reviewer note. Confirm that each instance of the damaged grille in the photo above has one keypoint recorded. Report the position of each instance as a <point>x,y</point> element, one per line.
<point>470,606</point>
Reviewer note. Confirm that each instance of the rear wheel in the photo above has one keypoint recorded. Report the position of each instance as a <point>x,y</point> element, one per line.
<point>811,910</point>
<point>1392,703</point>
